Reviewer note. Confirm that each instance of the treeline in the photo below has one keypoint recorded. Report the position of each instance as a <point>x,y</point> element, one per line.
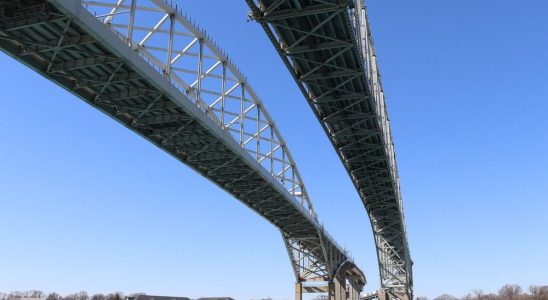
<point>507,292</point>
<point>54,296</point>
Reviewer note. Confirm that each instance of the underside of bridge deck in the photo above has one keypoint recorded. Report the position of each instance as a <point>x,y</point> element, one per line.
<point>328,48</point>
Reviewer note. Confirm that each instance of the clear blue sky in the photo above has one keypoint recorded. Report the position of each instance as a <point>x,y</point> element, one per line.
<point>87,205</point>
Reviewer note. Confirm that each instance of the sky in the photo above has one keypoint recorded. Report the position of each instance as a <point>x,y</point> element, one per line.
<point>85,204</point>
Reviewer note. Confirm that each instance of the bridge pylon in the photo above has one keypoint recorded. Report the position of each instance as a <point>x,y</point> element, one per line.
<point>340,283</point>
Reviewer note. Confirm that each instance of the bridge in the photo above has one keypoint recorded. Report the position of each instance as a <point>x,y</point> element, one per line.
<point>328,48</point>
<point>149,67</point>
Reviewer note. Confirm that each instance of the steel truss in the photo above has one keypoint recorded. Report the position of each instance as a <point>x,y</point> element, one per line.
<point>328,48</point>
<point>149,67</point>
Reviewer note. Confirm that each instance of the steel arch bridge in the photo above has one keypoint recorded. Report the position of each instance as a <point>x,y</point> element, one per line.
<point>328,48</point>
<point>147,66</point>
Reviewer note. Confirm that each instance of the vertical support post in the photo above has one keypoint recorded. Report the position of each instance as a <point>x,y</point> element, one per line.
<point>242,113</point>
<point>170,45</point>
<point>272,149</point>
<point>223,89</point>
<point>342,289</point>
<point>382,294</point>
<point>200,67</point>
<point>298,291</point>
<point>258,132</point>
<point>293,187</point>
<point>337,288</point>
<point>283,166</point>
<point>353,293</point>
<point>344,293</point>
<point>131,23</point>
<point>331,290</point>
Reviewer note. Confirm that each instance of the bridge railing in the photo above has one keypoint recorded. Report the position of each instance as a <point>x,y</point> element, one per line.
<point>176,47</point>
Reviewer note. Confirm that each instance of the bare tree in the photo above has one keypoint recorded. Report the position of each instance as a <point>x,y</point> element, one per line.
<point>478,294</point>
<point>98,297</point>
<point>82,295</point>
<point>468,297</point>
<point>446,297</point>
<point>26,294</point>
<point>35,294</point>
<point>15,295</point>
<point>510,291</point>
<point>539,292</point>
<point>53,296</point>
<point>115,296</point>
<point>70,297</point>
<point>491,297</point>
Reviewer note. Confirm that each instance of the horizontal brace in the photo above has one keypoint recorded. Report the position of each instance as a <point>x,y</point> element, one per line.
<point>328,75</point>
<point>317,47</point>
<point>134,93</point>
<point>148,29</point>
<point>345,116</point>
<point>163,119</point>
<point>84,63</point>
<point>105,4</point>
<point>295,13</point>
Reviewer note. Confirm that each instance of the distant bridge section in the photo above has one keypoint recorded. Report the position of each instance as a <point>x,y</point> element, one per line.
<point>147,66</point>
<point>328,48</point>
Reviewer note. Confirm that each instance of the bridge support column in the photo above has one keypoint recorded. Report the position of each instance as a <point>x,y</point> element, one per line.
<point>298,291</point>
<point>382,295</point>
<point>337,288</point>
<point>353,293</point>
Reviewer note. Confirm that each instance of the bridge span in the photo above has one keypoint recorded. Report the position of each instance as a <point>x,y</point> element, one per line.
<point>147,66</point>
<point>328,48</point>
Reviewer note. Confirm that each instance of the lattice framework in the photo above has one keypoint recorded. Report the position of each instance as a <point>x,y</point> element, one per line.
<point>328,48</point>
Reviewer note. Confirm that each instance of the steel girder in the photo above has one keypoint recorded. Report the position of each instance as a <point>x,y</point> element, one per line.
<point>147,66</point>
<point>328,48</point>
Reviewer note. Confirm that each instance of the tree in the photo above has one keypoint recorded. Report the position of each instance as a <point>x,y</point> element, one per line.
<point>468,297</point>
<point>510,291</point>
<point>82,295</point>
<point>446,297</point>
<point>70,297</point>
<point>27,294</point>
<point>478,294</point>
<point>115,296</point>
<point>491,297</point>
<point>98,297</point>
<point>15,294</point>
<point>422,298</point>
<point>53,296</point>
<point>539,292</point>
